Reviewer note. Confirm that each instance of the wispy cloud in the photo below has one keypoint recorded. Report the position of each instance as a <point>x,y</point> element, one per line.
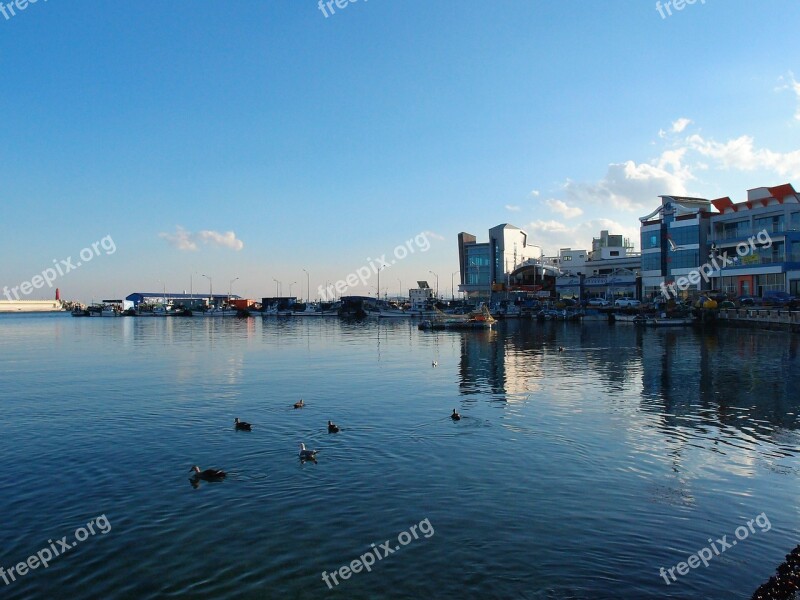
<point>564,209</point>
<point>186,240</point>
<point>788,82</point>
<point>554,235</point>
<point>681,124</point>
<point>512,207</point>
<point>534,193</point>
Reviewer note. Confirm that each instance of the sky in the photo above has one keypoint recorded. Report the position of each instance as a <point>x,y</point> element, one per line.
<point>239,143</point>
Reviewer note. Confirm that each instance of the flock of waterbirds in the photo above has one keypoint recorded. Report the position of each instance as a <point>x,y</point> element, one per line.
<point>215,475</point>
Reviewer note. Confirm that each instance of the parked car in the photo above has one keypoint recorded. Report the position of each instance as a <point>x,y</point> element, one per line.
<point>598,302</point>
<point>627,303</point>
<point>749,300</point>
<point>778,298</point>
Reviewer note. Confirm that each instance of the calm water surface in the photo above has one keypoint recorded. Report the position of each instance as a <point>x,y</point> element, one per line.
<point>574,474</point>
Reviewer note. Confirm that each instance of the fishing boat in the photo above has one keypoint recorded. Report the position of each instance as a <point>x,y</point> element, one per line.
<point>479,319</point>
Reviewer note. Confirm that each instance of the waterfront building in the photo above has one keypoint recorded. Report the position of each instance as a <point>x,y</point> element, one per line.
<point>768,264</point>
<point>611,270</point>
<point>508,261</point>
<point>422,297</point>
<point>674,243</point>
<point>188,300</point>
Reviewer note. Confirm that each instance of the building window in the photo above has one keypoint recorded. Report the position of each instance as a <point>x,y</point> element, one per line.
<point>614,253</point>
<point>771,224</point>
<point>684,259</point>
<point>794,222</point>
<point>566,258</point>
<point>651,262</point>
<point>651,239</point>
<point>682,236</point>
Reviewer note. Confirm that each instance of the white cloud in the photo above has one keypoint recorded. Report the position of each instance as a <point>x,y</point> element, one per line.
<point>630,186</point>
<point>534,193</point>
<point>681,124</point>
<point>512,207</point>
<point>741,154</point>
<point>564,209</point>
<point>794,86</point>
<point>554,235</point>
<point>186,240</point>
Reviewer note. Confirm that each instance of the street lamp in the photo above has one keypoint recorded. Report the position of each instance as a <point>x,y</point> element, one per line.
<point>379,281</point>
<point>230,289</point>
<point>452,286</point>
<point>400,283</point>
<point>290,288</point>
<point>308,286</point>
<point>437,283</point>
<point>277,286</point>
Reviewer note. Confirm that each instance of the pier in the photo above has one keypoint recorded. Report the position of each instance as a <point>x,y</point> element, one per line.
<point>761,318</point>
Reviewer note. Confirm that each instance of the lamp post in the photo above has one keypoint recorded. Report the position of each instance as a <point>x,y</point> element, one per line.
<point>290,288</point>
<point>210,288</point>
<point>230,289</point>
<point>452,285</point>
<point>277,287</point>
<point>379,281</point>
<point>400,283</point>
<point>437,284</point>
<point>308,286</point>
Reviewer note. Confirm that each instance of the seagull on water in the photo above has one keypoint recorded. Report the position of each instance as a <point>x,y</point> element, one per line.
<point>307,454</point>
<point>208,474</point>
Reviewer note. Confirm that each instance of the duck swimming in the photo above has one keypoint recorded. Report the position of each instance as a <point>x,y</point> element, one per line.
<point>242,425</point>
<point>208,474</point>
<point>561,348</point>
<point>435,364</point>
<point>307,454</point>
<point>300,404</point>
<point>455,416</point>
<point>332,428</point>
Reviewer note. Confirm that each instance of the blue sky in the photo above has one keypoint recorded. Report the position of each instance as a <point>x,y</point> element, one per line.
<point>320,142</point>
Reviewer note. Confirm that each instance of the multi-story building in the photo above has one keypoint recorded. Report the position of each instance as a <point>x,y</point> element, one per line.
<point>491,265</point>
<point>609,271</point>
<point>770,217</point>
<point>674,243</point>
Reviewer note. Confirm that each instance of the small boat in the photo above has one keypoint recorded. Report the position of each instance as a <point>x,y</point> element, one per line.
<point>670,322</point>
<point>479,319</point>
<point>216,311</point>
<point>80,311</point>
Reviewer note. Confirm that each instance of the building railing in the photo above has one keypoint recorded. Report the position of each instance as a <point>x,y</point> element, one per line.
<point>724,236</point>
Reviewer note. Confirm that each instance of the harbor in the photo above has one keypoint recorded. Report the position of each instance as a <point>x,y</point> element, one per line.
<point>579,425</point>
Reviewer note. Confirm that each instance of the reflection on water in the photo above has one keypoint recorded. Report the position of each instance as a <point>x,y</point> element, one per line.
<point>572,474</point>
